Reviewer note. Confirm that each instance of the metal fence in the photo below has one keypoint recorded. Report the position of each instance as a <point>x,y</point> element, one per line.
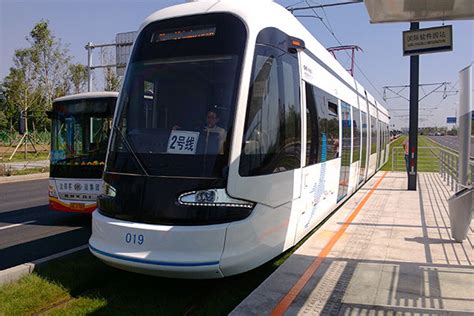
<point>448,162</point>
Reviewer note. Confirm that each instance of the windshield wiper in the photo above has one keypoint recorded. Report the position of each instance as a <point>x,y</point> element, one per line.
<point>130,149</point>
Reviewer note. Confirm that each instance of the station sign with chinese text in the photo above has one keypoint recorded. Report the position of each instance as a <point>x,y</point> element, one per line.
<point>429,40</point>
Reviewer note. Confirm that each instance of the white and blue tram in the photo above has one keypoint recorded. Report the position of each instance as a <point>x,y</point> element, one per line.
<point>234,135</point>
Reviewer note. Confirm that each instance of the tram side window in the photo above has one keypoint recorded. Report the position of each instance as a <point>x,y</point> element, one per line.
<point>272,134</point>
<point>382,137</point>
<point>356,127</point>
<point>326,108</point>
<point>329,125</point>
<point>373,135</point>
<point>312,130</point>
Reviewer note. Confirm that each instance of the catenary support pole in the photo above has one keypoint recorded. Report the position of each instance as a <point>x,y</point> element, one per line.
<point>89,47</point>
<point>413,127</point>
<point>464,119</point>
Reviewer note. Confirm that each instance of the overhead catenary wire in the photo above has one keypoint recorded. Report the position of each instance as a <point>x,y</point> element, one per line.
<point>397,91</point>
<point>329,29</point>
<point>288,7</point>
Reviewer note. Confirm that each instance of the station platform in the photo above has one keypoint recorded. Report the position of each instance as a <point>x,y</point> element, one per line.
<point>386,251</point>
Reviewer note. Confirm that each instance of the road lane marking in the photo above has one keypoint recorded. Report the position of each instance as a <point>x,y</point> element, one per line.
<point>286,301</point>
<point>16,225</point>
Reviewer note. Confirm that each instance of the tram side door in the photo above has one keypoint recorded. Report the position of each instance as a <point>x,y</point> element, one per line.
<point>321,161</point>
<point>345,146</point>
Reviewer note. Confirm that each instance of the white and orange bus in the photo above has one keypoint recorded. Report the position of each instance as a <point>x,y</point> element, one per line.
<point>80,131</point>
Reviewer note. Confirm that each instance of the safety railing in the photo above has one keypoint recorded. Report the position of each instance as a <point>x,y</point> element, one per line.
<point>448,162</point>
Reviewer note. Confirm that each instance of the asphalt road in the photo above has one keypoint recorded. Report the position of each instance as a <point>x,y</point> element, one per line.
<point>451,142</point>
<point>29,230</point>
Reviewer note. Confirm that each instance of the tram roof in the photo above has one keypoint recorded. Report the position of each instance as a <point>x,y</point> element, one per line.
<point>258,15</point>
<point>87,95</point>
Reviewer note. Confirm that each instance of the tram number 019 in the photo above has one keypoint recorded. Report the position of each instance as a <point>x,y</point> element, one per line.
<point>134,239</point>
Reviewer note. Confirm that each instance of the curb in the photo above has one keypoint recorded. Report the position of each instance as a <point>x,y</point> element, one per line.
<point>27,177</point>
<point>15,273</point>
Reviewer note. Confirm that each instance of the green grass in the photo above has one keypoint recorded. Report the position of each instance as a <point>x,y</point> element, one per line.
<point>20,156</point>
<point>428,153</point>
<point>29,294</point>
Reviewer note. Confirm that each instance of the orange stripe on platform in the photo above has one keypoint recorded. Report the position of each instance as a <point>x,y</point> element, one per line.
<point>286,301</point>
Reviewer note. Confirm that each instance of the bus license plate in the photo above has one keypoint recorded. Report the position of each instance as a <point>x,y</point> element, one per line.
<point>77,206</point>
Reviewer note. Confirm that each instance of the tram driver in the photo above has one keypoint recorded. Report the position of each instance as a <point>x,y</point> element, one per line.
<point>212,127</point>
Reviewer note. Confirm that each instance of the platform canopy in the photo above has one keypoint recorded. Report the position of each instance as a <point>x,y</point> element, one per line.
<point>382,11</point>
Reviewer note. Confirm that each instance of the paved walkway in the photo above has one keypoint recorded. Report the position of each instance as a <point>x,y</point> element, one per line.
<point>395,257</point>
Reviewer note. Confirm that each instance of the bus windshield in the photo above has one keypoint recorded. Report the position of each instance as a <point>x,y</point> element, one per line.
<point>80,131</point>
<point>177,105</point>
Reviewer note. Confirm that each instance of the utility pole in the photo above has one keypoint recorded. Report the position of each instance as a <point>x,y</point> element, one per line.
<point>464,119</point>
<point>119,46</point>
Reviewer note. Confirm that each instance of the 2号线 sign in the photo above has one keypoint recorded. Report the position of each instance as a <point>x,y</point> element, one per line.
<point>429,40</point>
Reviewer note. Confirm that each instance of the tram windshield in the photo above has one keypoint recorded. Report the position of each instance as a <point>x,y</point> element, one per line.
<point>177,104</point>
<point>80,132</point>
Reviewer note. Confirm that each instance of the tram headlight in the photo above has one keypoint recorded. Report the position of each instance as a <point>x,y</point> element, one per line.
<point>109,190</point>
<point>212,197</point>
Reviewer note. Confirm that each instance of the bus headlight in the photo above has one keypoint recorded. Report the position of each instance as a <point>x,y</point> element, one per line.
<point>212,197</point>
<point>109,190</point>
<point>52,191</point>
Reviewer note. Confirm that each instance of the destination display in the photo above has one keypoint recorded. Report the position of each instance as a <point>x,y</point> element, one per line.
<point>184,33</point>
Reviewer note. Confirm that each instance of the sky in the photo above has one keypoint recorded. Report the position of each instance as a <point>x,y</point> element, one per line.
<point>381,62</point>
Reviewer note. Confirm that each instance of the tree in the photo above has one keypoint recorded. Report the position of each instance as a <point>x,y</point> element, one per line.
<point>51,61</point>
<point>3,116</point>
<point>20,85</point>
<point>39,74</point>
<point>78,76</point>
<point>111,80</point>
